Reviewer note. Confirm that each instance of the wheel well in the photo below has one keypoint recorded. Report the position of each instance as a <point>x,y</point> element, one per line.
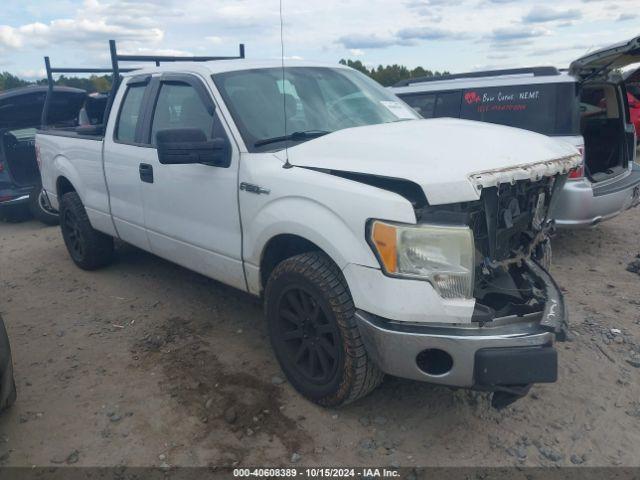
<point>280,248</point>
<point>63,185</point>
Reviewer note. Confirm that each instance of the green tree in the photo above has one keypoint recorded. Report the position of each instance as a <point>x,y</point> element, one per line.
<point>7,81</point>
<point>391,74</point>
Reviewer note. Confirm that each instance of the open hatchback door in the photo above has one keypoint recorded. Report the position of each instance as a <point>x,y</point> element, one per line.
<point>605,123</point>
<point>20,116</point>
<point>22,107</point>
<point>601,62</point>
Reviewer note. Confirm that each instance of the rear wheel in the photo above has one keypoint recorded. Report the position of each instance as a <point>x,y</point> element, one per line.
<point>89,248</point>
<point>311,321</point>
<point>41,209</point>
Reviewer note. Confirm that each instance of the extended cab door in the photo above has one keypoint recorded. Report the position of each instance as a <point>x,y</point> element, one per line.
<point>191,210</point>
<point>122,147</point>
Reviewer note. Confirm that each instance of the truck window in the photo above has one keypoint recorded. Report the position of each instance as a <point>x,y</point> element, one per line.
<point>179,106</point>
<point>130,113</point>
<point>423,103</point>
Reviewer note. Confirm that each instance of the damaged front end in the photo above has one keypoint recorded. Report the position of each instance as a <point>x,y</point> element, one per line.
<point>513,288</point>
<point>511,230</point>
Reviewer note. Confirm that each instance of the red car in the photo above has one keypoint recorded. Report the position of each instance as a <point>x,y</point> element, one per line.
<point>634,111</point>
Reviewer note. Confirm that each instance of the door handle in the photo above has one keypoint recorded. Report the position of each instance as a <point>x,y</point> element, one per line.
<point>146,172</point>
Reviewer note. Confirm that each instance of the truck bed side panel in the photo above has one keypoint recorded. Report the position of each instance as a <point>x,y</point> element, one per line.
<point>79,161</point>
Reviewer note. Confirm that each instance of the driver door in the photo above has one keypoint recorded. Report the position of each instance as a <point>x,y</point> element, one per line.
<point>191,211</point>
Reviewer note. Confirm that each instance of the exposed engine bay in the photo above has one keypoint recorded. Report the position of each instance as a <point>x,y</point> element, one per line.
<point>510,226</point>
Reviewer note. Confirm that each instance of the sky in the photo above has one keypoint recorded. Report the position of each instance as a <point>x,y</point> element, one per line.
<point>453,35</point>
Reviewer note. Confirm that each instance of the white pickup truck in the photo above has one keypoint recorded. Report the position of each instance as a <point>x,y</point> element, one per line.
<point>380,242</point>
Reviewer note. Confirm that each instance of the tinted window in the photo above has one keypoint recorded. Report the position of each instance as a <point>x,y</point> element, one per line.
<point>130,113</point>
<point>180,106</point>
<point>448,104</point>
<point>423,103</point>
<point>551,109</point>
<point>440,104</point>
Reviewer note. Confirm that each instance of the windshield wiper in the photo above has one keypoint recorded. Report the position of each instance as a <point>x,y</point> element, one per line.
<point>306,135</point>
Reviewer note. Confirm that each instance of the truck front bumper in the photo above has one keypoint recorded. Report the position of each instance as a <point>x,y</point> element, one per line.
<point>503,353</point>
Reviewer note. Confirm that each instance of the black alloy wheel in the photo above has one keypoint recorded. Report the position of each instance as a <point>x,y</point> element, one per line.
<point>311,340</point>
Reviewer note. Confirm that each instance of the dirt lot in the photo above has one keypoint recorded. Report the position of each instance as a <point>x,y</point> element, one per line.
<point>145,363</point>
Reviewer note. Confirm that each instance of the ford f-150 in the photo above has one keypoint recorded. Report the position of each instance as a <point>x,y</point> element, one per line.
<point>380,242</point>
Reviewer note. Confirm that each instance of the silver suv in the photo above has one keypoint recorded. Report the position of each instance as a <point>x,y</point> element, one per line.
<point>585,105</point>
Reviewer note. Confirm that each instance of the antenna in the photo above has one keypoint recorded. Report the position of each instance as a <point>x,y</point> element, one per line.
<point>284,96</point>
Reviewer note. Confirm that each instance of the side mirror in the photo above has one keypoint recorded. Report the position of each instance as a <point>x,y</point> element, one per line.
<point>180,146</point>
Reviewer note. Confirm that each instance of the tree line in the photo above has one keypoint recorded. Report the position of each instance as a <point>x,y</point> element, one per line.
<point>389,75</point>
<point>94,83</point>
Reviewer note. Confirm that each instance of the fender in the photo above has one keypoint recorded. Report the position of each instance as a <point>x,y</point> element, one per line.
<point>63,167</point>
<point>313,222</point>
<point>314,208</point>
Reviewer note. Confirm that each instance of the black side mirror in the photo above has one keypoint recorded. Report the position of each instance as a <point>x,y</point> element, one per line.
<point>179,146</point>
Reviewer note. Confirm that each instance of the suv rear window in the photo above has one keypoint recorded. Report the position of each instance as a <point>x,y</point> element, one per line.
<point>550,109</point>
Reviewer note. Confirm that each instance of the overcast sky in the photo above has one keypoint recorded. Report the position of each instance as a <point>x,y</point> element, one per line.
<point>454,35</point>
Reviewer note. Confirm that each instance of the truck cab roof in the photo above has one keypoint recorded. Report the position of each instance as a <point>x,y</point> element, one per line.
<point>220,66</point>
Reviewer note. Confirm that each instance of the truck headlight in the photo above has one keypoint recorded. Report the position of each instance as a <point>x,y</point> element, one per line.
<point>442,255</point>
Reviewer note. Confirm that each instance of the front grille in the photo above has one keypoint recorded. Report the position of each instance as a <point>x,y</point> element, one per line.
<point>504,221</point>
<point>513,215</point>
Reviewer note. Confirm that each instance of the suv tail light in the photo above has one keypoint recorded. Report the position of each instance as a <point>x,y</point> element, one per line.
<point>578,172</point>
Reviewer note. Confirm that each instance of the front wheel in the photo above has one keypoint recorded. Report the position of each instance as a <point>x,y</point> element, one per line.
<point>89,248</point>
<point>41,209</point>
<point>312,327</point>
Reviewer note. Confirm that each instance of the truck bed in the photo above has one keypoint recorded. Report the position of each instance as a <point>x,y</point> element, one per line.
<point>70,158</point>
<point>89,132</point>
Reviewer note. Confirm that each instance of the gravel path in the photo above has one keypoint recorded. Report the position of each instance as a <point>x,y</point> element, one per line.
<point>145,363</point>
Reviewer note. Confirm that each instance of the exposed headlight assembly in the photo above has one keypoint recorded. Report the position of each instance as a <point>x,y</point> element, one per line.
<point>442,255</point>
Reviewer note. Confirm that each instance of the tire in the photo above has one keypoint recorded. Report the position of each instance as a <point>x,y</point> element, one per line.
<point>40,209</point>
<point>313,331</point>
<point>88,248</point>
<point>7,382</point>
<point>11,398</point>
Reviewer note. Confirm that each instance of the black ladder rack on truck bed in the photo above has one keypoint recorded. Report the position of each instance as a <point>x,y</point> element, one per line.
<point>115,71</point>
<point>50,83</point>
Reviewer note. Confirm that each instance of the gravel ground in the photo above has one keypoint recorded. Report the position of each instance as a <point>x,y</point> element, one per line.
<point>145,363</point>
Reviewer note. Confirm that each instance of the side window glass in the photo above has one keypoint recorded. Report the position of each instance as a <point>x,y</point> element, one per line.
<point>130,114</point>
<point>180,106</point>
<point>424,104</point>
<point>448,104</point>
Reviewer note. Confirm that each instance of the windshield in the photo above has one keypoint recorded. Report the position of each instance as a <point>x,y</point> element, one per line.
<point>314,99</point>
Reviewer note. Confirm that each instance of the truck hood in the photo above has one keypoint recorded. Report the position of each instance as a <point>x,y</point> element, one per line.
<point>451,159</point>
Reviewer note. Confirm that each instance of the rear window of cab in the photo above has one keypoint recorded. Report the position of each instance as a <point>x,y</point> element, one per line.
<point>550,109</point>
